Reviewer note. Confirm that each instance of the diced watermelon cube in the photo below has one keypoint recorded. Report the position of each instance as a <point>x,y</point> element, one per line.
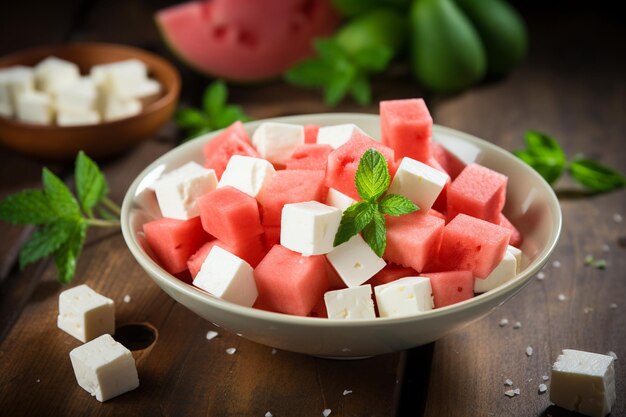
<point>230,215</point>
<point>448,161</point>
<point>310,133</point>
<point>289,282</point>
<point>413,239</point>
<point>271,236</point>
<point>174,241</point>
<point>440,203</point>
<point>234,140</point>
<point>471,244</point>
<point>451,287</point>
<point>344,161</point>
<point>309,156</point>
<point>391,273</point>
<point>479,192</point>
<point>433,212</point>
<point>516,236</point>
<point>251,251</point>
<point>290,186</point>
<point>319,310</point>
<point>406,127</point>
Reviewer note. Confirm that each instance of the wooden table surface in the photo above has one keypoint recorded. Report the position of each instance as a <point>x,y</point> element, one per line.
<point>572,86</point>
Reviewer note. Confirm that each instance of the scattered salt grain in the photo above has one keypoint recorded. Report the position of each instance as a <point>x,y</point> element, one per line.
<point>211,335</point>
<point>127,298</point>
<point>508,382</point>
<point>613,306</point>
<point>613,354</point>
<point>606,248</point>
<point>39,380</point>
<point>326,412</point>
<point>529,351</point>
<point>347,391</point>
<point>274,351</point>
<point>545,377</point>
<point>346,350</point>
<point>231,351</point>
<point>516,391</point>
<point>503,322</point>
<point>541,276</point>
<point>268,414</point>
<point>517,325</point>
<point>562,297</point>
<point>542,388</point>
<point>556,264</point>
<point>239,334</point>
<point>512,392</point>
<point>617,218</point>
<point>587,310</point>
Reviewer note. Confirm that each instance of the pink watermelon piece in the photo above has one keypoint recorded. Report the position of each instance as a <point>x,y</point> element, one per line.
<point>290,186</point>
<point>174,241</point>
<point>251,251</point>
<point>479,192</point>
<point>413,239</point>
<point>234,140</point>
<point>271,236</point>
<point>309,156</point>
<point>472,244</point>
<point>516,236</point>
<point>319,310</point>
<point>230,215</point>
<point>344,161</point>
<point>406,127</point>
<point>310,133</point>
<point>449,161</point>
<point>390,273</point>
<point>245,40</point>
<point>433,212</point>
<point>451,287</point>
<point>289,282</point>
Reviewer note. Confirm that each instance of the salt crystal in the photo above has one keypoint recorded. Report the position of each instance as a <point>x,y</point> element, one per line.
<point>541,276</point>
<point>510,393</point>
<point>517,325</point>
<point>556,264</point>
<point>347,391</point>
<point>613,306</point>
<point>508,382</point>
<point>503,322</point>
<point>127,298</point>
<point>617,218</point>
<point>231,351</point>
<point>517,391</point>
<point>326,412</point>
<point>545,377</point>
<point>39,380</point>
<point>529,351</point>
<point>542,388</point>
<point>268,414</point>
<point>606,248</point>
<point>562,297</point>
<point>587,310</point>
<point>239,334</point>
<point>211,335</point>
<point>613,354</point>
<point>274,351</point>
<point>346,350</point>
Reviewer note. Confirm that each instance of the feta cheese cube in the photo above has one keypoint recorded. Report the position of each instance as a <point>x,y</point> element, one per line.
<point>355,261</point>
<point>104,368</point>
<point>228,277</point>
<point>338,199</point>
<point>144,89</point>
<point>309,228</point>
<point>350,303</point>
<point>418,182</point>
<point>85,314</point>
<point>115,108</point>
<point>337,135</point>
<point>53,73</point>
<point>583,382</point>
<point>277,141</point>
<point>177,191</point>
<point>504,272</point>
<point>517,253</point>
<point>247,174</point>
<point>80,95</point>
<point>14,81</point>
<point>77,117</point>
<point>34,107</point>
<point>404,297</point>
<point>121,78</point>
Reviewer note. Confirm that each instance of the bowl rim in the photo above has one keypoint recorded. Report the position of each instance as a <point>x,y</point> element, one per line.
<point>157,273</point>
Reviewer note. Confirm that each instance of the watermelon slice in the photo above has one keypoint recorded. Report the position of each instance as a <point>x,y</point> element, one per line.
<point>451,287</point>
<point>309,156</point>
<point>245,40</point>
<point>234,140</point>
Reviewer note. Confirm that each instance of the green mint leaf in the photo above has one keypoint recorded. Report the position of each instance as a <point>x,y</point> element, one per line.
<point>26,207</point>
<point>541,144</point>
<point>547,167</point>
<point>59,197</point>
<point>360,89</point>
<point>309,73</point>
<point>66,255</point>
<point>229,115</point>
<point>596,176</point>
<point>329,50</point>
<point>375,234</point>
<point>91,185</point>
<point>337,86</point>
<point>396,205</point>
<point>214,98</point>
<point>374,58</point>
<point>372,176</point>
<point>46,239</point>
<point>353,220</point>
<point>191,119</point>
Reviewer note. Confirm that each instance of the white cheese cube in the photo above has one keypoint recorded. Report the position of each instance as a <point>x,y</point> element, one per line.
<point>337,135</point>
<point>228,277</point>
<point>504,272</point>
<point>34,107</point>
<point>14,81</point>
<point>404,297</point>
<point>309,228</point>
<point>350,303</point>
<point>115,108</point>
<point>247,174</point>
<point>517,253</point>
<point>121,78</point>
<point>355,261</point>
<point>583,382</point>
<point>338,199</point>
<point>53,73</point>
<point>80,95</point>
<point>277,141</point>
<point>177,191</point>
<point>418,182</point>
<point>85,314</point>
<point>77,117</point>
<point>104,368</point>
<point>146,88</point>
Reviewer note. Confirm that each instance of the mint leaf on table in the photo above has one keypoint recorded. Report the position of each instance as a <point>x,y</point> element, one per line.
<point>91,184</point>
<point>214,98</point>
<point>596,176</point>
<point>65,257</point>
<point>44,241</point>
<point>26,207</point>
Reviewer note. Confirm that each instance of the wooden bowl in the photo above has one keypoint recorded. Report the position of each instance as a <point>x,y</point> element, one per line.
<point>97,140</point>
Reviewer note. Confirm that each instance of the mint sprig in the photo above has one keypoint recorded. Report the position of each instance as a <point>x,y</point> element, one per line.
<point>215,113</point>
<point>62,219</point>
<point>547,157</point>
<point>372,181</point>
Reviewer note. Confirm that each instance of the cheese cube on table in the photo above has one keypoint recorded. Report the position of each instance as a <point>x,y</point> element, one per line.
<point>228,277</point>
<point>309,228</point>
<point>517,253</point>
<point>104,368</point>
<point>338,199</point>
<point>355,261</point>
<point>34,107</point>
<point>503,272</point>
<point>418,182</point>
<point>276,142</point>
<point>404,297</point>
<point>583,382</point>
<point>350,303</point>
<point>53,73</point>
<point>77,117</point>
<point>178,190</point>
<point>85,314</point>
<point>247,174</point>
<point>14,81</point>
<point>80,95</point>
<point>337,135</point>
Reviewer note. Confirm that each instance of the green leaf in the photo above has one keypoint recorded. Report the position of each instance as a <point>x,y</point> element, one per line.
<point>309,73</point>
<point>337,87</point>
<point>26,207</point>
<point>547,167</point>
<point>596,176</point>
<point>66,255</point>
<point>214,98</point>
<point>44,241</point>
<point>59,197</point>
<point>91,184</point>
<point>372,176</point>
<point>360,89</point>
<point>541,144</point>
<point>353,220</point>
<point>191,119</point>
<point>228,116</point>
<point>374,58</point>
<point>396,205</point>
<point>375,234</point>
<point>329,50</point>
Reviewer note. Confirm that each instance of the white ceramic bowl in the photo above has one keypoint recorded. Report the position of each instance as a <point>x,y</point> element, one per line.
<point>531,205</point>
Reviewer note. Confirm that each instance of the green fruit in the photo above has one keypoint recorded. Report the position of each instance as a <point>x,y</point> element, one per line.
<point>354,7</point>
<point>501,30</point>
<point>447,54</point>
